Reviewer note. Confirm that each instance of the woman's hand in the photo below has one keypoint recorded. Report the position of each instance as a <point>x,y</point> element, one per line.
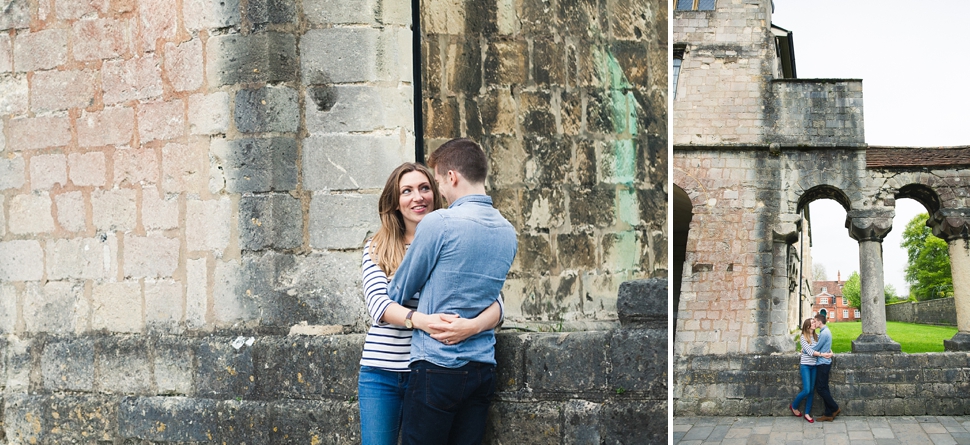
<point>453,329</point>
<point>827,354</point>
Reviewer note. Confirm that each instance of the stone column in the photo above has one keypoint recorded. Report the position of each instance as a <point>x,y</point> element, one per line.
<point>953,226</point>
<point>869,228</point>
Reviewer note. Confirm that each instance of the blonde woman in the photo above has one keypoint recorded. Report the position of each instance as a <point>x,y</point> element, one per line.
<point>409,194</point>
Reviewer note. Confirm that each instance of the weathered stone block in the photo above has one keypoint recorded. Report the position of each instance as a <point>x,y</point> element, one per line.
<point>534,253</point>
<point>56,307</point>
<point>262,12</point>
<point>325,52</point>
<point>576,250</point>
<point>12,172</point>
<point>135,166</point>
<point>76,258</point>
<point>510,355</point>
<point>642,302</point>
<point>68,364</point>
<point>163,306</point>
<point>549,159</point>
<point>86,169</point>
<point>527,423</point>
<point>206,224</point>
<point>262,57</point>
<point>231,300</point>
<point>158,211</point>
<point>196,293</point>
<point>349,162</point>
<point>202,14</point>
<point>209,113</point>
<point>124,365</point>
<point>581,422</point>
<point>635,421</point>
<point>630,56</point>
<point>70,211</point>
<point>137,78</point>
<point>39,132</point>
<point>16,93</point>
<point>21,260</point>
<point>270,221</point>
<point>40,50</point>
<point>568,362</point>
<point>30,214</point>
<point>173,357</point>
<point>15,15</point>
<point>61,90</point>
<point>24,418</point>
<point>353,108</point>
<point>639,358</point>
<point>183,65</point>
<point>285,289</point>
<point>78,418</point>
<point>258,165</point>
<point>158,21</point>
<point>342,221</point>
<point>224,371</point>
<point>268,109</point>
<point>506,63</point>
<point>114,210</point>
<point>111,126</point>
<point>586,207</point>
<point>97,39</point>
<point>3,219</point>
<point>143,417</point>
<point>548,62</point>
<point>328,12</point>
<point>308,367</point>
<point>47,170</point>
<point>185,166</point>
<point>442,119</point>
<point>69,10</point>
<point>463,64</point>
<point>161,120</point>
<point>117,307</point>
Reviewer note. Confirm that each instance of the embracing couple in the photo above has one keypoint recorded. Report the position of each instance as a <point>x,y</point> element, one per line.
<point>815,365</point>
<point>432,289</point>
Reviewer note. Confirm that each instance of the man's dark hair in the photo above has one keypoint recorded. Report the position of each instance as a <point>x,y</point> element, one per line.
<point>463,156</point>
<point>820,318</point>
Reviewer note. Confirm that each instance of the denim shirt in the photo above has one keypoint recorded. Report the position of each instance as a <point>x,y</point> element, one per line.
<point>824,345</point>
<point>458,262</point>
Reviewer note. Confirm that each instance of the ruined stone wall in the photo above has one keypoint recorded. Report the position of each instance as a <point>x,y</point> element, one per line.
<point>567,97</point>
<point>724,77</point>
<point>821,111</point>
<point>941,311</point>
<point>862,384</point>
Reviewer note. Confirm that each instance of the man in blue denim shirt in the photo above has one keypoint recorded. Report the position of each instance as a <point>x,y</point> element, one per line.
<point>823,367</point>
<point>458,262</point>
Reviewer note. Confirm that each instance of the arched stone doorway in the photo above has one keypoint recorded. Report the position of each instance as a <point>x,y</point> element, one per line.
<point>682,214</point>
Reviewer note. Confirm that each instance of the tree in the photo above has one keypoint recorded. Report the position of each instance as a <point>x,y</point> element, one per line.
<point>891,295</point>
<point>928,261</point>
<point>818,272</point>
<point>852,290</point>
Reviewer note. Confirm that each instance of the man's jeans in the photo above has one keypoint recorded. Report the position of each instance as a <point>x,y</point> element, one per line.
<point>381,396</point>
<point>445,405</point>
<point>822,389</point>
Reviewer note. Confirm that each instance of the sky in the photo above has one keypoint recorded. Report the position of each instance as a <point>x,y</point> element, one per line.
<point>912,60</point>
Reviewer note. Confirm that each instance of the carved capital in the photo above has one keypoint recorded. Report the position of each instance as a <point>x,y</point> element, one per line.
<point>869,225</point>
<point>787,228</point>
<point>950,224</point>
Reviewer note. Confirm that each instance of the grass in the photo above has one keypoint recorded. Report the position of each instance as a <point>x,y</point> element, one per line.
<point>911,337</point>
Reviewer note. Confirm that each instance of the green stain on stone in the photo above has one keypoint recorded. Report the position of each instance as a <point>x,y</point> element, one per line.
<point>623,110</point>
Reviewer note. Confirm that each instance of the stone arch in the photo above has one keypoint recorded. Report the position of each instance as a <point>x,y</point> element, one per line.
<point>682,215</point>
<point>922,194</point>
<point>824,192</point>
<point>694,189</point>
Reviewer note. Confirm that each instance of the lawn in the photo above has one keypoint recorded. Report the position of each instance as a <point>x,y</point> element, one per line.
<point>912,337</point>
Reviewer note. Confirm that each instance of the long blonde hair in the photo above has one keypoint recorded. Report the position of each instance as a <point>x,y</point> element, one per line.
<point>388,246</point>
<point>808,331</point>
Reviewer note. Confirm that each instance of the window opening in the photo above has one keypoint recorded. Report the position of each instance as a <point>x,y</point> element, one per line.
<point>695,5</point>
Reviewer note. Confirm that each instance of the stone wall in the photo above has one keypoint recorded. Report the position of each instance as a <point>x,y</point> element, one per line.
<point>553,388</point>
<point>941,311</point>
<point>825,112</point>
<point>568,99</point>
<point>862,384</point>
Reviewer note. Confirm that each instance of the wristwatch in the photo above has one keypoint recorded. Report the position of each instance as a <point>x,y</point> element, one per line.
<point>407,320</point>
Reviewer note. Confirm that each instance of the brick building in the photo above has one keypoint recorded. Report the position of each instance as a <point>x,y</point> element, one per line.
<point>829,300</point>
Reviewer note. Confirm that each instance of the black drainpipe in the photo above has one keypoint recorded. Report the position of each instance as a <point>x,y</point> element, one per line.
<point>416,81</point>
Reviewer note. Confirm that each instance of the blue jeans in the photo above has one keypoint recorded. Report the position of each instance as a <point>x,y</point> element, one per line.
<point>822,389</point>
<point>808,382</point>
<point>380,394</point>
<point>447,405</point>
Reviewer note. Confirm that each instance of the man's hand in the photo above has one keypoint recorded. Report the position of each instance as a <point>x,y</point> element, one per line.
<point>827,354</point>
<point>453,329</point>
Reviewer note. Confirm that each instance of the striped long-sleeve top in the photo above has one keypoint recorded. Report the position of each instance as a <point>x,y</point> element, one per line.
<point>808,348</point>
<point>386,346</point>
